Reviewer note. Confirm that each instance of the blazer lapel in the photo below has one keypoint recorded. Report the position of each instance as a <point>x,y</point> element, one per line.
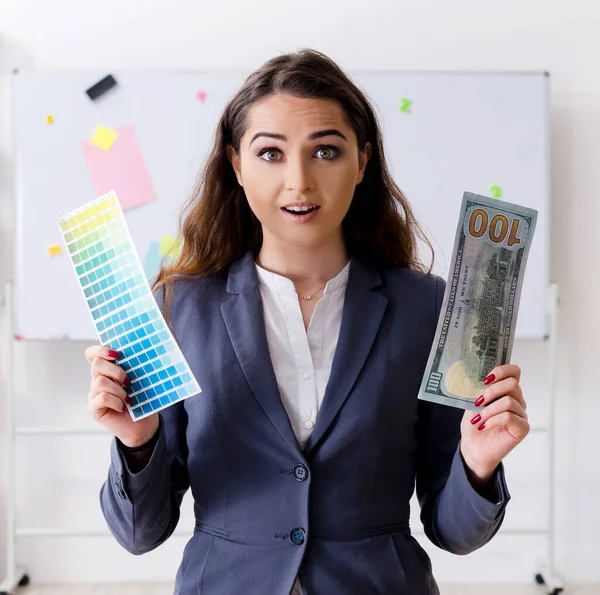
<point>361,318</point>
<point>244,318</point>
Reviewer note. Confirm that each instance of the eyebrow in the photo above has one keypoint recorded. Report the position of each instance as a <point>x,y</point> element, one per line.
<point>313,136</point>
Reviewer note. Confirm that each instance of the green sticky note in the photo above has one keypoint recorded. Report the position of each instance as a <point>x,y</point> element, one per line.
<point>405,105</point>
<point>495,191</point>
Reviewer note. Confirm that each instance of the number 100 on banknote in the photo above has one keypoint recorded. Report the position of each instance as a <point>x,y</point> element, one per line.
<point>476,327</point>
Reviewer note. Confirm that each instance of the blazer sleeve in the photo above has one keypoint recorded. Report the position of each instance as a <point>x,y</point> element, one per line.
<point>455,516</point>
<point>142,509</point>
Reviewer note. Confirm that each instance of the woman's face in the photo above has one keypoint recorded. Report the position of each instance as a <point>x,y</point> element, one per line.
<point>299,151</point>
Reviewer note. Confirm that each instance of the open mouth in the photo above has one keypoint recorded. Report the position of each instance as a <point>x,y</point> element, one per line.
<point>301,216</point>
<point>300,212</point>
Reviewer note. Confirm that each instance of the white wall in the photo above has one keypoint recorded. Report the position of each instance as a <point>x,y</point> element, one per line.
<point>59,478</point>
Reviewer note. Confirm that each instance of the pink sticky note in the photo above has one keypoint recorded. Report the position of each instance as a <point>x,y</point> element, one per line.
<point>201,95</point>
<point>121,169</point>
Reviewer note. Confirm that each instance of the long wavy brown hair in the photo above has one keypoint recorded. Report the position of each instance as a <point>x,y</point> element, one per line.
<point>217,225</point>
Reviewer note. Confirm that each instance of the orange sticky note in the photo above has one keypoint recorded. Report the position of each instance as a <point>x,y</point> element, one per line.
<point>54,250</point>
<point>103,138</point>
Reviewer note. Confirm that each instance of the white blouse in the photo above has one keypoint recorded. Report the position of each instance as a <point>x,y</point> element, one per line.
<point>301,358</point>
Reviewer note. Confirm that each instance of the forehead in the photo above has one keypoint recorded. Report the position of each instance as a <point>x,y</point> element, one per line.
<point>284,113</point>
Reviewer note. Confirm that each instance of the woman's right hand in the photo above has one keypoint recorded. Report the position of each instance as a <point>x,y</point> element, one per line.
<point>107,399</point>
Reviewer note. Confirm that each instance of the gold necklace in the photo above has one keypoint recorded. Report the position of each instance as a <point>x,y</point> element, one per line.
<point>308,297</point>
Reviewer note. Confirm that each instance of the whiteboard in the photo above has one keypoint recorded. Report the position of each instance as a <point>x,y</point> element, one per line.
<point>460,132</point>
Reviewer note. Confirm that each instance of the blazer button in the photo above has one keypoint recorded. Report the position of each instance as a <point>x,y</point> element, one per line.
<point>297,536</point>
<point>300,472</point>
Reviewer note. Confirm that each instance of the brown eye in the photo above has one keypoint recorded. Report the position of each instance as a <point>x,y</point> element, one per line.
<point>328,153</point>
<point>270,153</point>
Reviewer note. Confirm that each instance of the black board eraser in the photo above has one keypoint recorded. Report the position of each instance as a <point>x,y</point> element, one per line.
<point>108,82</point>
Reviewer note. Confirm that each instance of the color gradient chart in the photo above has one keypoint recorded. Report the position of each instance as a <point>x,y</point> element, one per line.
<point>123,308</point>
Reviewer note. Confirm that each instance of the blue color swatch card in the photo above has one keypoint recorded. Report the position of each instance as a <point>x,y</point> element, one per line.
<point>123,308</point>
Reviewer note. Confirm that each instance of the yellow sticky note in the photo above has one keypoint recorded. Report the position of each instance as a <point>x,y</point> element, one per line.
<point>103,138</point>
<point>55,250</point>
<point>50,119</point>
<point>170,246</point>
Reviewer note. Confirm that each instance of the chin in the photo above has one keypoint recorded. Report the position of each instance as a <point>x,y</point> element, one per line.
<point>307,240</point>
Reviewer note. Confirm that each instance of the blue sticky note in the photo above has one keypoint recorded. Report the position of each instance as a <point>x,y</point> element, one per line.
<point>152,261</point>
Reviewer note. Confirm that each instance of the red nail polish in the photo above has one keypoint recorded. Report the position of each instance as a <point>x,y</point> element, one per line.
<point>127,382</point>
<point>124,408</point>
<point>489,379</point>
<point>113,353</point>
<point>128,400</point>
<point>479,401</point>
<point>476,419</point>
<point>481,427</point>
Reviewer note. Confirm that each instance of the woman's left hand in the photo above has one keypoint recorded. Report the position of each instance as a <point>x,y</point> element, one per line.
<point>488,436</point>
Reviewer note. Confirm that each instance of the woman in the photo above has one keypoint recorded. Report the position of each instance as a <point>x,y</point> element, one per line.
<point>301,308</point>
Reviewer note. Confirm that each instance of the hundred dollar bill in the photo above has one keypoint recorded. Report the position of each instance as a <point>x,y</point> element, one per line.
<point>476,328</point>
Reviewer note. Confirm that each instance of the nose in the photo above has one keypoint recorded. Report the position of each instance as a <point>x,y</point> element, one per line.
<point>298,178</point>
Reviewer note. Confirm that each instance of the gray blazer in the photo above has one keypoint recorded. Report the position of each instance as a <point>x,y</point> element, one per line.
<point>337,511</point>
